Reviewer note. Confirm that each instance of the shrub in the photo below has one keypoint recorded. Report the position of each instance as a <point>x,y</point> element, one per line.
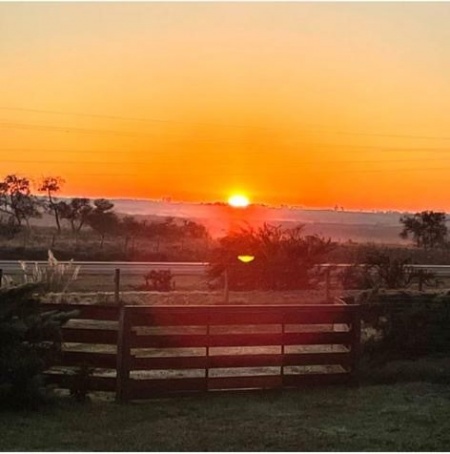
<point>355,277</point>
<point>402,325</point>
<point>159,280</point>
<point>284,258</point>
<point>381,270</point>
<point>30,342</point>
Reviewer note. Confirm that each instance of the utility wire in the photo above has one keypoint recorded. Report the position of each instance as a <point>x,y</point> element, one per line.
<point>346,149</point>
<point>277,166</point>
<point>318,131</point>
<point>115,117</point>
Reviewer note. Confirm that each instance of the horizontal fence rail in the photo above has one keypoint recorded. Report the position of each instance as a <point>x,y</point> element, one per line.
<point>89,340</point>
<point>141,351</point>
<point>237,347</point>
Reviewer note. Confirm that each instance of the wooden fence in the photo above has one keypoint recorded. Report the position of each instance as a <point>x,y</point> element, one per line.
<point>141,351</point>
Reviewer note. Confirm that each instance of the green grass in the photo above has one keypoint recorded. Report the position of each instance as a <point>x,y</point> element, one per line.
<point>400,417</point>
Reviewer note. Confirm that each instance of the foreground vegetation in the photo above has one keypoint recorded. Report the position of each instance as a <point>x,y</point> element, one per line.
<point>409,417</point>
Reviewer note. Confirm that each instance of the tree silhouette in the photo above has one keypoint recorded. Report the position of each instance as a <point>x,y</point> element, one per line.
<point>427,228</point>
<point>16,199</point>
<point>76,212</point>
<point>193,229</point>
<point>52,185</point>
<point>102,219</point>
<point>130,228</point>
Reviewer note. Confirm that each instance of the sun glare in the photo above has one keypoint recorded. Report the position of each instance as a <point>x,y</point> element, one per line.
<point>246,258</point>
<point>238,201</point>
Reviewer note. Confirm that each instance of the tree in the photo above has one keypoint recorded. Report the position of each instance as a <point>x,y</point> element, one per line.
<point>102,219</point>
<point>427,228</point>
<point>51,185</point>
<point>16,199</point>
<point>130,228</point>
<point>76,212</point>
<point>193,229</point>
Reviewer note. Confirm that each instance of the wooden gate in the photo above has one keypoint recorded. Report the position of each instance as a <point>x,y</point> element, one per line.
<point>183,349</point>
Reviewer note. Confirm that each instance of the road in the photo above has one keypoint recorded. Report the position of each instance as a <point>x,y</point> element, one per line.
<point>11,267</point>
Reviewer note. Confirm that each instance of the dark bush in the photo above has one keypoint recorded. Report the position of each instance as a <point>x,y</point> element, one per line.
<point>30,342</point>
<point>402,326</point>
<point>380,269</point>
<point>284,259</point>
<point>158,280</point>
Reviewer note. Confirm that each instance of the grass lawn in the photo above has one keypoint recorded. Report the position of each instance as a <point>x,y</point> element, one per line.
<point>400,417</point>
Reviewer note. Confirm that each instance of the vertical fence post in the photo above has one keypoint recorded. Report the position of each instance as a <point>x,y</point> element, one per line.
<point>117,286</point>
<point>421,279</point>
<point>356,343</point>
<point>226,289</point>
<point>283,349</point>
<point>123,355</point>
<point>327,284</point>
<point>208,340</point>
<point>123,344</point>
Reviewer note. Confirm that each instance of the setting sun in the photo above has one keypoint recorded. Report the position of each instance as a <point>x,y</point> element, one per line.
<point>238,201</point>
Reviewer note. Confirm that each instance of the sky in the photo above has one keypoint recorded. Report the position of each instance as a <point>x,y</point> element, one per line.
<point>308,104</point>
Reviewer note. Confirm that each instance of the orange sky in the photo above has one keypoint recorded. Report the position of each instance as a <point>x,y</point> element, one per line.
<point>292,103</point>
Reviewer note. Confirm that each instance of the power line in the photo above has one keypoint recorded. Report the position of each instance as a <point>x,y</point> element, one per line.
<point>398,136</point>
<point>71,129</point>
<point>289,165</point>
<point>116,117</point>
<point>289,171</point>
<point>346,148</point>
<point>352,133</point>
